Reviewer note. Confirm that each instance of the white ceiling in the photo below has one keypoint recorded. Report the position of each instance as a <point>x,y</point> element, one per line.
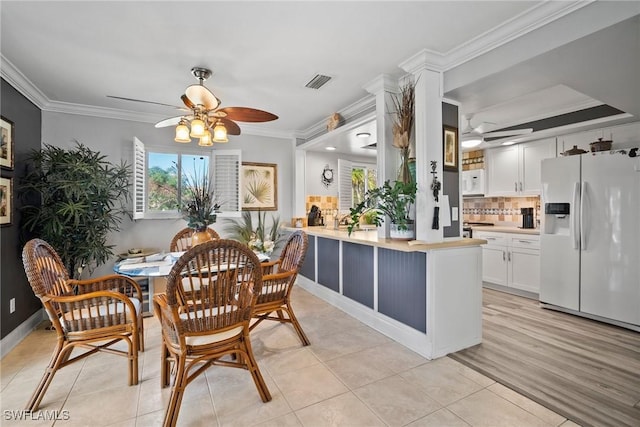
<point>505,62</point>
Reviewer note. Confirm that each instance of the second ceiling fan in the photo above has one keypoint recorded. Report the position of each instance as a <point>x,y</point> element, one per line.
<point>473,136</point>
<point>204,119</point>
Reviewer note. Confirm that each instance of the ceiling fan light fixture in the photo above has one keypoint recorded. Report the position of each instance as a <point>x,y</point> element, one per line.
<point>182,133</point>
<point>205,140</point>
<point>220,132</point>
<point>471,141</point>
<point>197,128</point>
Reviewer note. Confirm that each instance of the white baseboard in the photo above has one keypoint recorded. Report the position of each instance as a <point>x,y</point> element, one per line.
<point>14,337</point>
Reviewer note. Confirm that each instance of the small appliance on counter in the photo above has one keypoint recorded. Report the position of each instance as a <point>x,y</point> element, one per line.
<point>527,218</point>
<point>315,217</point>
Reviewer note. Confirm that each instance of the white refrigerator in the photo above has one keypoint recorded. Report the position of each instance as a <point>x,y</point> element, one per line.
<point>590,235</point>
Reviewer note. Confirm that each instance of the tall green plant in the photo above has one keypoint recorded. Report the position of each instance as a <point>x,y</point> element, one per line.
<point>82,199</point>
<point>393,201</point>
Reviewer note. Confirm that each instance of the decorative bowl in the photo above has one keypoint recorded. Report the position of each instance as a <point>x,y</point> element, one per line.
<point>573,151</point>
<point>601,145</point>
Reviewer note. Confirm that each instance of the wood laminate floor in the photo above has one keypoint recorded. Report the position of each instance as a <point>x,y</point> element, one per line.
<point>585,370</point>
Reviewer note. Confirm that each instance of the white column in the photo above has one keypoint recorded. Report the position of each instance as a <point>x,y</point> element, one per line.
<point>388,160</point>
<point>428,140</point>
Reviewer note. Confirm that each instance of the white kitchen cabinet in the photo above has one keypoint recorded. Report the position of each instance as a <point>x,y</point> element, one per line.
<point>511,260</point>
<point>514,170</point>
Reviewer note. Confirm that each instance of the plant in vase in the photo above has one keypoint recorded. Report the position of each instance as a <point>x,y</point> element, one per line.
<point>201,206</point>
<point>393,200</point>
<point>260,239</point>
<point>404,103</point>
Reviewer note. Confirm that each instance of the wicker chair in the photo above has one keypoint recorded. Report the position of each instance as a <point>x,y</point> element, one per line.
<point>182,240</point>
<point>197,333</point>
<point>277,282</point>
<point>92,314</point>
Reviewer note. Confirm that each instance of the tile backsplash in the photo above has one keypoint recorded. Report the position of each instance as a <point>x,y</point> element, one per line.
<point>499,209</point>
<point>325,203</point>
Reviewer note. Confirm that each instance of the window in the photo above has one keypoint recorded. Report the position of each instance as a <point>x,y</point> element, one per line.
<point>159,176</point>
<point>354,181</point>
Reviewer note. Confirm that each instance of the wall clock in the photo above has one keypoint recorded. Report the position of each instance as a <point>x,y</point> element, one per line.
<point>327,176</point>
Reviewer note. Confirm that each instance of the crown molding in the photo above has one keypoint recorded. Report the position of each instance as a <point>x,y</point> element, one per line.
<point>357,109</point>
<point>382,83</point>
<point>527,21</point>
<point>21,83</point>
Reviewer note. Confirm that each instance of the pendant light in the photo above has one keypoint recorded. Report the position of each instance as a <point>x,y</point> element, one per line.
<point>205,140</point>
<point>220,132</point>
<point>182,132</point>
<point>197,128</point>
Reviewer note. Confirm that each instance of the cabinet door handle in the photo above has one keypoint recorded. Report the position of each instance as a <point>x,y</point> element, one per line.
<point>509,256</point>
<point>503,256</point>
<point>528,242</point>
<point>515,187</point>
<point>520,185</point>
<point>490,238</point>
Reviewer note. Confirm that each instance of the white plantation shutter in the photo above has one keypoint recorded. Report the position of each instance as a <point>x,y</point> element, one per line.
<point>227,179</point>
<point>345,195</point>
<point>139,170</point>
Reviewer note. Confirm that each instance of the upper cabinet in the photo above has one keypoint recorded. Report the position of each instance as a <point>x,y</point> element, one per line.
<point>515,170</point>
<point>623,136</point>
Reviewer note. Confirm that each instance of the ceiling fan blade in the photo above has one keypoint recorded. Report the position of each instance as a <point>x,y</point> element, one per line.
<point>244,114</point>
<point>171,121</point>
<point>505,133</point>
<point>232,127</point>
<point>190,105</point>
<point>142,100</point>
<point>200,95</point>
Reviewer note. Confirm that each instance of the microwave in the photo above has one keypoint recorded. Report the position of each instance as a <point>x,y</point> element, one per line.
<point>473,183</point>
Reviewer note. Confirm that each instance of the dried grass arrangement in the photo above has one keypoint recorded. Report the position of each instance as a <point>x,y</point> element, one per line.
<point>403,103</point>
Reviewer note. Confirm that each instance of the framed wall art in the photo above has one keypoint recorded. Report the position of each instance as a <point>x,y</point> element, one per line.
<point>450,149</point>
<point>259,186</point>
<point>6,200</point>
<point>6,147</point>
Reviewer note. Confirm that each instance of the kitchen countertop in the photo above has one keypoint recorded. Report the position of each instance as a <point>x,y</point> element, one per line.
<point>370,237</point>
<point>506,229</point>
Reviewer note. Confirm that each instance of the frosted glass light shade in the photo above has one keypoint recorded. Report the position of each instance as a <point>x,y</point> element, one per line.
<point>220,133</point>
<point>182,133</point>
<point>471,142</point>
<point>197,128</point>
<point>205,140</point>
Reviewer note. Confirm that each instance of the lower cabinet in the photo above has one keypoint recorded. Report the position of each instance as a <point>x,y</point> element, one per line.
<point>511,260</point>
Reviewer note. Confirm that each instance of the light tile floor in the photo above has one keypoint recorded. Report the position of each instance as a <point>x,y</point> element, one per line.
<point>350,375</point>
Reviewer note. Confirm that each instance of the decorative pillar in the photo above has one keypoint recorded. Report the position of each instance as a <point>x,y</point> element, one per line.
<point>388,157</point>
<point>428,140</point>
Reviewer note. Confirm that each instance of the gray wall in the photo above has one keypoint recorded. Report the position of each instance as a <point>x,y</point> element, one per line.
<point>26,118</point>
<point>451,180</point>
<point>114,139</point>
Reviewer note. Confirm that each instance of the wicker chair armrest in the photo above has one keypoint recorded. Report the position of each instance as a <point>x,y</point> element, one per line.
<point>269,267</point>
<point>114,282</point>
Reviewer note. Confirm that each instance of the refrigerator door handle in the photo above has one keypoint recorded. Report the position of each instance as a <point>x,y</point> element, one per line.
<point>583,195</point>
<point>574,216</point>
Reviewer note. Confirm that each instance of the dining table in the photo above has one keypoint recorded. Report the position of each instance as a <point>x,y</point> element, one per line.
<point>154,266</point>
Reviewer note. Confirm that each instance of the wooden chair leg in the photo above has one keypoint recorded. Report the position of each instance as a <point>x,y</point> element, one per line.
<point>59,356</point>
<point>296,326</point>
<point>252,365</point>
<point>177,392</point>
<point>165,366</point>
<point>133,359</point>
<point>140,332</point>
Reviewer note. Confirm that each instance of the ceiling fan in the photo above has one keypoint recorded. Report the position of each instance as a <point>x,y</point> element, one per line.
<point>473,136</point>
<point>203,116</point>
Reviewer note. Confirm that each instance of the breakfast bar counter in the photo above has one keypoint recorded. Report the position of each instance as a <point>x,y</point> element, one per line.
<point>426,296</point>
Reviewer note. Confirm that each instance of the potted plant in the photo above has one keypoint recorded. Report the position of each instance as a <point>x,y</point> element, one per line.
<point>73,199</point>
<point>394,201</point>
<point>259,239</point>
<point>201,207</point>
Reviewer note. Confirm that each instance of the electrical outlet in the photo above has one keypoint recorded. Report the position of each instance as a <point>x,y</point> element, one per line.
<point>12,305</point>
<point>454,214</point>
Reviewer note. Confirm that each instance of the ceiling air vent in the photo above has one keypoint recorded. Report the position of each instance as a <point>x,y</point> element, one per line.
<point>318,81</point>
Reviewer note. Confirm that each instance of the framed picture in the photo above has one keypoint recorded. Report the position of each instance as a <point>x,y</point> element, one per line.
<point>6,147</point>
<point>6,200</point>
<point>259,186</point>
<point>450,149</point>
